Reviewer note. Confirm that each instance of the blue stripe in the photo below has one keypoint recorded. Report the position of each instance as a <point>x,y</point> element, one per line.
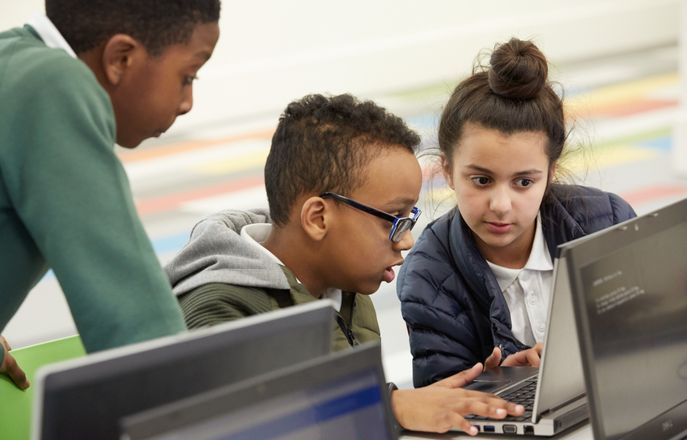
<point>664,143</point>
<point>323,412</point>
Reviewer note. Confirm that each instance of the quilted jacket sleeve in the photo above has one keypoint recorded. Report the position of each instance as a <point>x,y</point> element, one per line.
<point>442,335</point>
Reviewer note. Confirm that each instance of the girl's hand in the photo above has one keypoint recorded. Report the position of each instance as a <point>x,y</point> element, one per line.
<point>525,358</point>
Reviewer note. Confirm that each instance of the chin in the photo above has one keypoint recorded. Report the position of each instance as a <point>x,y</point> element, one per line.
<point>368,289</point>
<point>128,145</point>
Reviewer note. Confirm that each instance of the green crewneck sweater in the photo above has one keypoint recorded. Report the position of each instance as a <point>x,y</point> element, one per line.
<point>65,201</point>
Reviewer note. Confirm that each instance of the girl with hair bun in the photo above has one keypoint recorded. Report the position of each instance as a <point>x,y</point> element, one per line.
<point>476,286</point>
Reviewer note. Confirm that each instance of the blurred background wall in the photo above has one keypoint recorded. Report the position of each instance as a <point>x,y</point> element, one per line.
<point>271,52</point>
<point>616,59</point>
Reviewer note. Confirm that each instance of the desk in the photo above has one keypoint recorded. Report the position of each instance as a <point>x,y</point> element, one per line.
<point>15,412</point>
<point>582,432</point>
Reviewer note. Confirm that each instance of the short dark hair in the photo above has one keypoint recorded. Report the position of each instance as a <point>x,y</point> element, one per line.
<point>323,144</point>
<point>155,23</point>
<point>513,94</point>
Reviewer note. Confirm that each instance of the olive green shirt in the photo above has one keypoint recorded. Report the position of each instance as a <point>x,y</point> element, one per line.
<point>214,303</point>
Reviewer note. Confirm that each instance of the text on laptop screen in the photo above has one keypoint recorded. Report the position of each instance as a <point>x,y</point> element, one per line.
<point>637,311</point>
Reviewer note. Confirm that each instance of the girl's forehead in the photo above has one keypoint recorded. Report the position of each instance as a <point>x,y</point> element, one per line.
<point>498,152</point>
<point>477,140</point>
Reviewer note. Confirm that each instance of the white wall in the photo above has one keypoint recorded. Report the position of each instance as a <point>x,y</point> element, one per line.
<point>271,52</point>
<point>680,131</point>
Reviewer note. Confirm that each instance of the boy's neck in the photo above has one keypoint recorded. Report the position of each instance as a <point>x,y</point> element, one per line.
<point>288,244</point>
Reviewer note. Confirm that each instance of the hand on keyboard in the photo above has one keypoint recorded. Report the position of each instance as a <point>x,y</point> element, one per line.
<point>443,406</point>
<point>525,358</point>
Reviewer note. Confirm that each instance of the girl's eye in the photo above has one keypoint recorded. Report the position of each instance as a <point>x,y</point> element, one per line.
<point>524,183</point>
<point>480,180</point>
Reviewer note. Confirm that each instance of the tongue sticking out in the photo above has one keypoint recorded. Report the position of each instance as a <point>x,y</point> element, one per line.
<point>389,274</point>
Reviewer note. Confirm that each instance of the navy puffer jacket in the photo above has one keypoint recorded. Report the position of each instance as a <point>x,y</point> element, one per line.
<point>453,306</point>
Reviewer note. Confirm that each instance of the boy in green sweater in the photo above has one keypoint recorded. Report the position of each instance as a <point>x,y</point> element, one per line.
<point>74,82</point>
<point>342,182</point>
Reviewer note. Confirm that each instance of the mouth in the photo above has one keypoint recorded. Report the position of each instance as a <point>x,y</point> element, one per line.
<point>389,273</point>
<point>499,227</point>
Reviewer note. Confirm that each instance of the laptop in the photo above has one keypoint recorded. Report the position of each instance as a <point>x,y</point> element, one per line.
<point>630,300</point>
<point>335,397</point>
<point>553,394</point>
<point>86,398</point>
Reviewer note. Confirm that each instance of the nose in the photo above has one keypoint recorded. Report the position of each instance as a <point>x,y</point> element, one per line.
<point>186,103</point>
<point>500,201</point>
<point>407,241</point>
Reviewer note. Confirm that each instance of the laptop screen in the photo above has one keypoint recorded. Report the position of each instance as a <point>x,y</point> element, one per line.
<point>341,396</point>
<point>631,293</point>
<point>86,399</point>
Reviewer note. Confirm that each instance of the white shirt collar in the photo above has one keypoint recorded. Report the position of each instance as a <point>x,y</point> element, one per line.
<point>539,260</point>
<point>257,233</point>
<point>49,34</point>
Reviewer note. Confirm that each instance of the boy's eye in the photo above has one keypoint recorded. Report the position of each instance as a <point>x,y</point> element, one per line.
<point>188,79</point>
<point>480,180</point>
<point>524,182</point>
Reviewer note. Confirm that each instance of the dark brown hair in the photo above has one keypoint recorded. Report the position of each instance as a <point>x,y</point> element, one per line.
<point>511,95</point>
<point>323,144</point>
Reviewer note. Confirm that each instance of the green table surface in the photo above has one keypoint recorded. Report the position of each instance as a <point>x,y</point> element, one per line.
<point>16,405</point>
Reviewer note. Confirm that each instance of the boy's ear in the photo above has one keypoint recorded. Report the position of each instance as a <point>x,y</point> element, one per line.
<point>447,171</point>
<point>314,218</point>
<point>119,53</point>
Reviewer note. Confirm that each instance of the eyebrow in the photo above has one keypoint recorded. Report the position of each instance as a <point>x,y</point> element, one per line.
<point>203,55</point>
<point>480,169</point>
<point>400,202</point>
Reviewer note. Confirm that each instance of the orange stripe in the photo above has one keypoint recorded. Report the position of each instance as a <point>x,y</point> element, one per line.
<point>131,156</point>
<point>630,108</point>
<point>174,201</point>
<point>653,193</point>
<point>623,108</point>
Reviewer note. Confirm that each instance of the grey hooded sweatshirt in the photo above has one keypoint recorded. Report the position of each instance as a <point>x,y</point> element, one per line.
<point>219,276</point>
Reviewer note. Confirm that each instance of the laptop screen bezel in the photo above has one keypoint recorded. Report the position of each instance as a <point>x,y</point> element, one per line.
<point>196,410</point>
<point>674,420</point>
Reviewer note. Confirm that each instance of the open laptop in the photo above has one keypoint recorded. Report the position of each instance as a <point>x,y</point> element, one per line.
<point>338,396</point>
<point>554,394</point>
<point>630,297</point>
<point>86,398</point>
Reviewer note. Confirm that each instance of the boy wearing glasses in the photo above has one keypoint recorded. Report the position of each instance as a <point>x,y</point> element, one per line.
<point>342,181</point>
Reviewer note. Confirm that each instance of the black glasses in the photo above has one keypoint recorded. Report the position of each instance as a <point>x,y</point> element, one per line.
<point>399,225</point>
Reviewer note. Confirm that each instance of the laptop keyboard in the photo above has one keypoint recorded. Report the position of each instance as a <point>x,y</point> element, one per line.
<point>522,395</point>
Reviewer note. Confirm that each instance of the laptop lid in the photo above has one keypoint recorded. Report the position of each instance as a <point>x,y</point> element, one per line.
<point>630,295</point>
<point>338,396</point>
<point>561,379</point>
<point>559,376</point>
<point>86,398</point>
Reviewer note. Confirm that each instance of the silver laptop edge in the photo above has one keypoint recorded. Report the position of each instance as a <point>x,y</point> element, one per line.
<point>560,400</point>
<point>103,356</point>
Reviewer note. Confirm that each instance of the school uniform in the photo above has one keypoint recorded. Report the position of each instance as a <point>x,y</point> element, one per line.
<point>224,274</point>
<point>451,299</point>
<point>65,201</point>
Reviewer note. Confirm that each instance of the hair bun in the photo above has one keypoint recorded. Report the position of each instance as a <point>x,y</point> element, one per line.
<point>518,70</point>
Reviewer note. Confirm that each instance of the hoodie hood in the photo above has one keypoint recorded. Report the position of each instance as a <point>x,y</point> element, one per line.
<point>216,253</point>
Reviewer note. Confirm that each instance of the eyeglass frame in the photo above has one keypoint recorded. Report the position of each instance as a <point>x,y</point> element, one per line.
<point>395,221</point>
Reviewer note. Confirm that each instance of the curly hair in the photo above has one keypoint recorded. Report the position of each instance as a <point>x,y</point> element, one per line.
<point>155,23</point>
<point>323,144</point>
